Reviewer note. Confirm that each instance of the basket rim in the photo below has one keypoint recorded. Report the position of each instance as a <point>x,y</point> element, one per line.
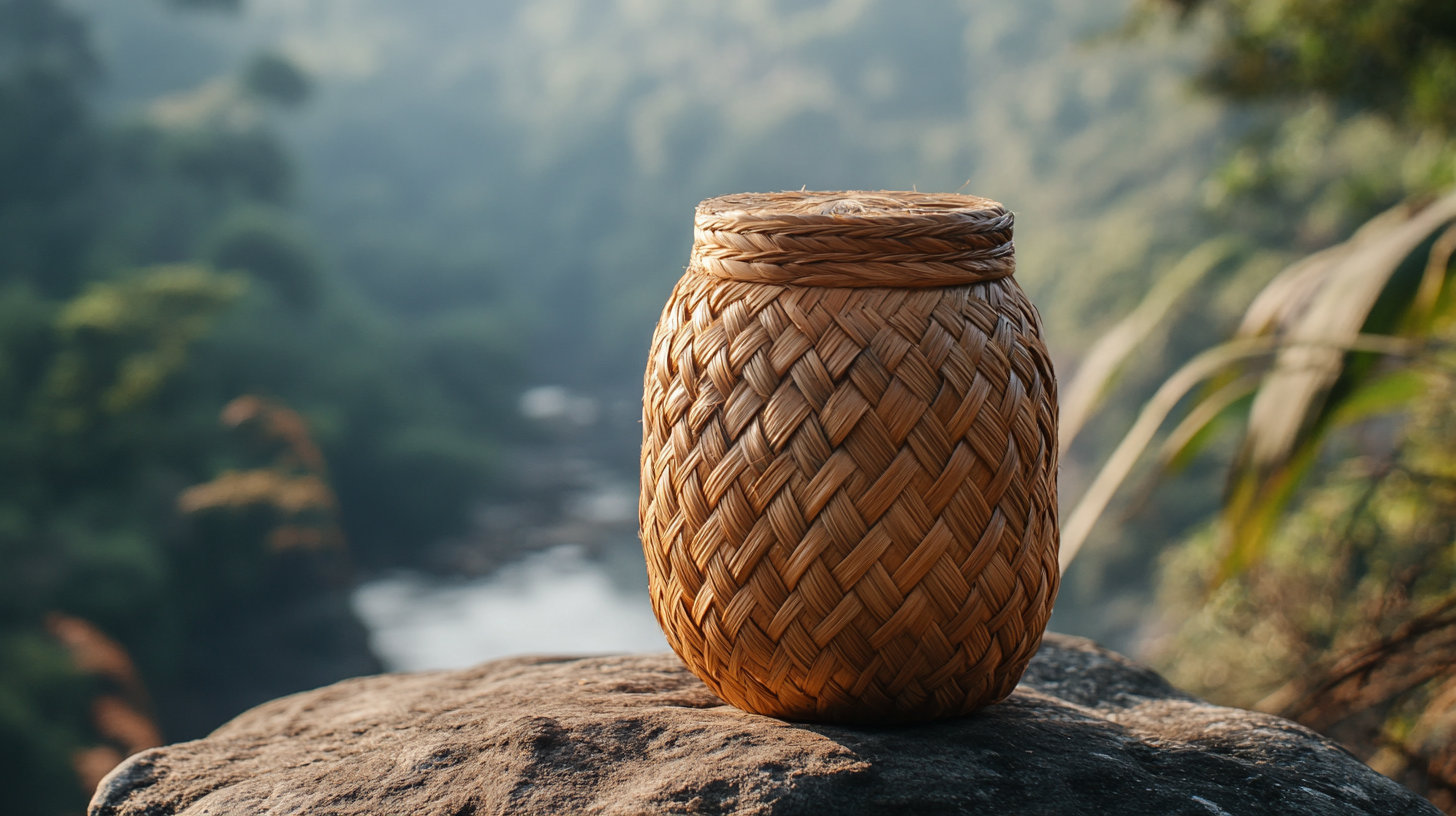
<point>838,206</point>
<point>854,238</point>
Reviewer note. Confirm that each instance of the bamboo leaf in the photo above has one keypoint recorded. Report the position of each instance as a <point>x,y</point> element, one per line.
<point>1285,297</point>
<point>1190,436</point>
<point>1095,500</point>
<point>1423,309</point>
<point>1254,506</point>
<point>1311,317</point>
<point>1206,364</point>
<point>1258,497</point>
<point>1257,501</point>
<point>1099,368</point>
<point>1315,385</point>
<point>1224,397</point>
<point>1382,395</point>
<point>1290,398</point>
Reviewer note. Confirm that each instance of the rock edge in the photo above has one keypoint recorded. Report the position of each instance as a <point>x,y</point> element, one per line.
<point>1087,731</point>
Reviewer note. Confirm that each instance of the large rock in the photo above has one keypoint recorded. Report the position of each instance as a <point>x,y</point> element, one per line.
<point>1088,732</point>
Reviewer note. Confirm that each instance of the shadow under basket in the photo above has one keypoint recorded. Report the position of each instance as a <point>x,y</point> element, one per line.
<point>849,457</point>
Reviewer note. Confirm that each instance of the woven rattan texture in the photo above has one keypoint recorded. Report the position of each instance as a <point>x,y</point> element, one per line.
<point>853,239</point>
<point>848,494</point>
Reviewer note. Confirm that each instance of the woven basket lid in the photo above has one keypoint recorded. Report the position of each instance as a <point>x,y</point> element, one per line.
<point>854,238</point>
<point>848,499</point>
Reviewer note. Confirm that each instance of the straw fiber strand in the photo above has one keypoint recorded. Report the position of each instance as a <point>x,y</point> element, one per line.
<point>848,491</point>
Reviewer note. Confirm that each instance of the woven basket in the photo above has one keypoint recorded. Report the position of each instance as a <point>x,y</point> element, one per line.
<point>849,457</point>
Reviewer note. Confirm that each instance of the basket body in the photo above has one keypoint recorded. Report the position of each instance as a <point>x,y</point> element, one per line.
<point>848,503</point>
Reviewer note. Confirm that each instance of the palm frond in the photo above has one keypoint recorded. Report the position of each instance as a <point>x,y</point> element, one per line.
<point>1298,403</point>
<point>1205,365</point>
<point>1310,318</point>
<point>1289,399</point>
<point>1100,366</point>
<point>1095,500</point>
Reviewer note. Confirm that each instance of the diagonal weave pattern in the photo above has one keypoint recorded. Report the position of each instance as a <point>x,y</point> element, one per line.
<point>848,490</point>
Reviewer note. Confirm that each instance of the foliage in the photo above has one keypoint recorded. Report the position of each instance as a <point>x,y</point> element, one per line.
<point>1346,625</point>
<point>1384,63</point>
<point>1321,157</point>
<point>264,244</point>
<point>151,271</point>
<point>121,340</point>
<point>295,486</point>
<point>1396,57</point>
<point>121,710</point>
<point>1322,589</point>
<point>1355,101</point>
<point>1307,352</point>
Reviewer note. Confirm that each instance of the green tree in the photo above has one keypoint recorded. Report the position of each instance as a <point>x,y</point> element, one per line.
<point>1322,588</point>
<point>151,272</point>
<point>1352,101</point>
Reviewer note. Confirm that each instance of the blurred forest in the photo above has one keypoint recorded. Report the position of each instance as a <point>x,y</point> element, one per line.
<point>1321,587</point>
<point>274,275</point>
<point>205,428</point>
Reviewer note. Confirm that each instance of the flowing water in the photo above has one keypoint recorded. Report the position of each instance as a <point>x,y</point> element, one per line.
<point>555,602</point>
<point>553,568</point>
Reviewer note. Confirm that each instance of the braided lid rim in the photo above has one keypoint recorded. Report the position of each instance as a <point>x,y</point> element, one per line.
<point>853,238</point>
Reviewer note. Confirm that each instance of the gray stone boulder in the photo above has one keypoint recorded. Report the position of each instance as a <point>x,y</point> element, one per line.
<point>1087,732</point>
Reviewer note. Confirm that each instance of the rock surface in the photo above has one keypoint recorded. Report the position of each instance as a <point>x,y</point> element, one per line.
<point>1087,732</point>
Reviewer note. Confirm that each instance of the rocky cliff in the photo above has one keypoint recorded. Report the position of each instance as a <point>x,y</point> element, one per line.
<point>1087,732</point>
